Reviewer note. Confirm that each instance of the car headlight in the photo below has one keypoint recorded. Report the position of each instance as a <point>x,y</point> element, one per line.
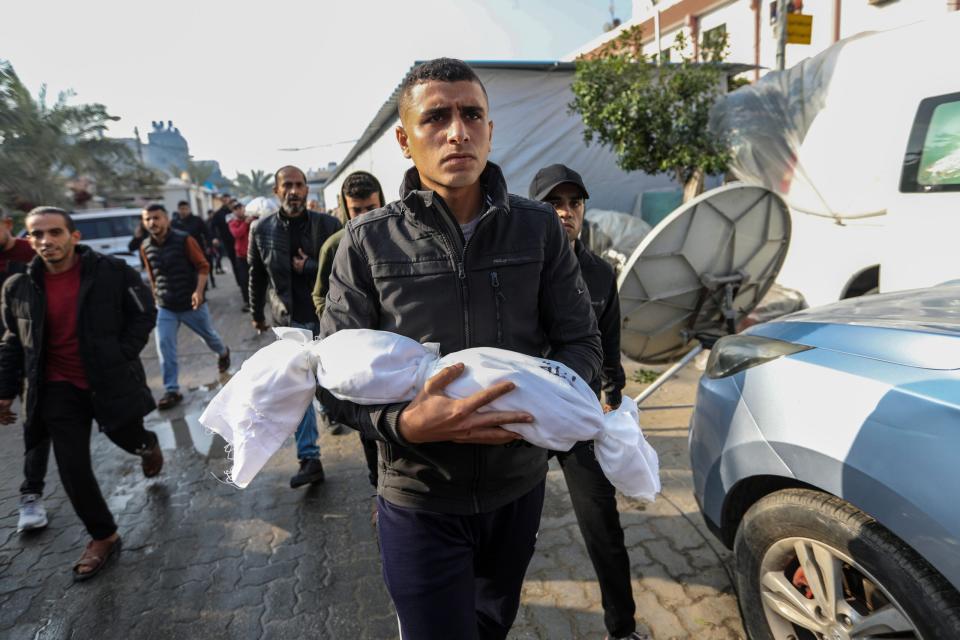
<point>733,354</point>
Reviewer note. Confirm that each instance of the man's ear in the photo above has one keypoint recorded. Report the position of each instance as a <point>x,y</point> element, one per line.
<point>403,141</point>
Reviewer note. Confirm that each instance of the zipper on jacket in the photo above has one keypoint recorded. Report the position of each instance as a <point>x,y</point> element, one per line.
<point>136,300</point>
<point>497,298</point>
<point>460,259</point>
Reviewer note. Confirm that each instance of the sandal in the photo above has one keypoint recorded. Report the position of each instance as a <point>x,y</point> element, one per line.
<point>95,556</point>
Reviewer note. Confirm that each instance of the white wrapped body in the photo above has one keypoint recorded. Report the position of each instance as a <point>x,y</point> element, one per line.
<point>266,399</point>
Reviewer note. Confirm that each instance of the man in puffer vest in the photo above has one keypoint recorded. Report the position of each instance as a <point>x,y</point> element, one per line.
<point>178,272</point>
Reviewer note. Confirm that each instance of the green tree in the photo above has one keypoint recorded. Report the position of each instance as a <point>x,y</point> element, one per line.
<point>655,118</point>
<point>255,183</point>
<point>199,172</point>
<point>44,147</point>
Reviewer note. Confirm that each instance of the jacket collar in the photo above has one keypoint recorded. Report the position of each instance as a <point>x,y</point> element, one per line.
<point>88,257</point>
<point>414,196</point>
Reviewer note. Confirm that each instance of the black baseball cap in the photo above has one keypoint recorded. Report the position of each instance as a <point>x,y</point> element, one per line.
<point>549,177</point>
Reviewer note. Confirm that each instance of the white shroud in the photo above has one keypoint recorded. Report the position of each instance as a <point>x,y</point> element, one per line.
<point>264,402</point>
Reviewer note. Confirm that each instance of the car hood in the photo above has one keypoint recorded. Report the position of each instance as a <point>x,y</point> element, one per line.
<point>917,328</point>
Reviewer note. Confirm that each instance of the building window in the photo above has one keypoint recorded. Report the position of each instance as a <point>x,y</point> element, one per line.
<point>932,161</point>
<point>714,44</point>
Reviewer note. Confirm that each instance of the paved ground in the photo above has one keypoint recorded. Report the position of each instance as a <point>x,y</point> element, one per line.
<point>204,560</point>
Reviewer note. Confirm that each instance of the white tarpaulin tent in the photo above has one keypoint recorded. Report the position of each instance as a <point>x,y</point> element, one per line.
<point>533,128</point>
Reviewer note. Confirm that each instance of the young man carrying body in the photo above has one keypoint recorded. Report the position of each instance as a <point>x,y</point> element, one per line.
<point>594,498</point>
<point>178,272</point>
<point>283,251</point>
<point>75,324</point>
<point>460,262</point>
<point>360,194</point>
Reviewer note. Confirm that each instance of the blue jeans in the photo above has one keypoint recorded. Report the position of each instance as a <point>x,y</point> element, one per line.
<point>168,324</point>
<point>307,435</point>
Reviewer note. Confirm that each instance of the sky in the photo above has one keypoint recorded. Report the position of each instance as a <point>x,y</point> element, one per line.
<point>243,80</point>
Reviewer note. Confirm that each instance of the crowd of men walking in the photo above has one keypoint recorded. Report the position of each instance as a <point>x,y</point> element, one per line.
<point>457,261</point>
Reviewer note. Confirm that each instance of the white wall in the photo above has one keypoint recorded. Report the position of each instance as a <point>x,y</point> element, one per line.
<point>860,16</point>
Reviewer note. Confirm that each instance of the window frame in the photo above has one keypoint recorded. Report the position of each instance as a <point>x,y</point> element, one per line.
<point>910,168</point>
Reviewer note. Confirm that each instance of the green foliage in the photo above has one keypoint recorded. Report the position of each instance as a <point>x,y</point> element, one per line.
<point>645,376</point>
<point>43,147</point>
<point>655,118</point>
<point>256,183</point>
<point>198,172</point>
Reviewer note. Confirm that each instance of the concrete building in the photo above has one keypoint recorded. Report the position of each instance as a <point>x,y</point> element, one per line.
<point>750,26</point>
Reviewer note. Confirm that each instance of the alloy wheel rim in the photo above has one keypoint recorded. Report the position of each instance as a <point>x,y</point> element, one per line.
<point>847,602</point>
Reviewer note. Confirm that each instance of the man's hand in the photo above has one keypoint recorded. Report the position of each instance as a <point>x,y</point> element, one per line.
<point>196,300</point>
<point>434,417</point>
<point>7,416</point>
<point>607,408</point>
<point>260,326</point>
<point>299,260</point>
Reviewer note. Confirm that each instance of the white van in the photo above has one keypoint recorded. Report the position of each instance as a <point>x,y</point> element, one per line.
<point>109,231</point>
<point>873,178</point>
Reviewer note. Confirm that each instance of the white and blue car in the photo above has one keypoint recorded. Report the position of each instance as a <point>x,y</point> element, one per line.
<point>825,449</point>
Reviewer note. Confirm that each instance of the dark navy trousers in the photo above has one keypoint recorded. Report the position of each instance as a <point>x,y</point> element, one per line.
<point>454,576</point>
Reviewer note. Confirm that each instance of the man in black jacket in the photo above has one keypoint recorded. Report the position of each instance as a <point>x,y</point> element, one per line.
<point>75,324</point>
<point>460,262</point>
<point>221,230</point>
<point>593,497</point>
<point>283,259</point>
<point>194,227</point>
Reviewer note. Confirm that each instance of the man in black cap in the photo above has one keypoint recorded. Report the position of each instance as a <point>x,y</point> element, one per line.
<point>593,497</point>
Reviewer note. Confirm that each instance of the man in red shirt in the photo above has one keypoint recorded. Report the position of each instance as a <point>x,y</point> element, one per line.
<point>74,326</point>
<point>15,253</point>
<point>240,230</point>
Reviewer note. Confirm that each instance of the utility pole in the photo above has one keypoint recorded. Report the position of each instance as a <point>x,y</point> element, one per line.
<point>781,34</point>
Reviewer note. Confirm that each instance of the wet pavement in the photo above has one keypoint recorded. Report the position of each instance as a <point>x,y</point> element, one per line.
<point>202,559</point>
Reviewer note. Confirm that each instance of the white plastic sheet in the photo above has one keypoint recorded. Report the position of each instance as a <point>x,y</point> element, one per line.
<point>828,134</point>
<point>263,403</point>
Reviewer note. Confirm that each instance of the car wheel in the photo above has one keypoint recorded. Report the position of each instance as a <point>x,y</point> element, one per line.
<point>812,567</point>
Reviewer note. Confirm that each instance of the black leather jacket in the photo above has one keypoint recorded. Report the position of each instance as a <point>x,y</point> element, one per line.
<point>271,264</point>
<point>516,285</point>
<point>116,314</point>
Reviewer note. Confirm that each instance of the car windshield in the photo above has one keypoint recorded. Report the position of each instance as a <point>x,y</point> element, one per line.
<point>100,228</point>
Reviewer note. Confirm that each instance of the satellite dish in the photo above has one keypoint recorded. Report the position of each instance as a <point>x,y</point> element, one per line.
<point>700,270</point>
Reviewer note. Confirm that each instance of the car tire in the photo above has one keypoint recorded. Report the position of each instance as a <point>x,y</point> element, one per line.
<point>842,539</point>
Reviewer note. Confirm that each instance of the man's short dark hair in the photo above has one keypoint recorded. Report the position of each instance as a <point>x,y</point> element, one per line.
<point>150,208</point>
<point>440,70</point>
<point>46,210</point>
<point>276,176</point>
<point>183,203</point>
<point>224,196</point>
<point>361,185</point>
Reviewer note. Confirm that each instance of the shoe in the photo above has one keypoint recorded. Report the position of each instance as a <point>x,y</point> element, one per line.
<point>223,362</point>
<point>245,308</point>
<point>95,557</point>
<point>32,514</point>
<point>311,472</point>
<point>338,429</point>
<point>151,459</point>
<point>169,400</point>
<point>636,635</point>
